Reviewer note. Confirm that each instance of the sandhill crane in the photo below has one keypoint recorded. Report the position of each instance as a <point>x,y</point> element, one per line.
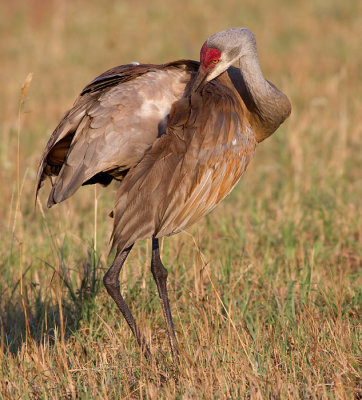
<point>178,136</point>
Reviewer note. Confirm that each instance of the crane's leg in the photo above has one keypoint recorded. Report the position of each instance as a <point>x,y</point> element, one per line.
<point>111,282</point>
<point>160,273</point>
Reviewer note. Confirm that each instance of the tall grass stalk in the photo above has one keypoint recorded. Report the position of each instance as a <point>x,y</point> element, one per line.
<point>17,227</point>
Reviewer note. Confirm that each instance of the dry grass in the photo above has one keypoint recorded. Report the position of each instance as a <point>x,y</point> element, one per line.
<point>266,291</point>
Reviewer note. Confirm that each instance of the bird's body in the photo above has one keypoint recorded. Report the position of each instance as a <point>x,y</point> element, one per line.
<point>188,171</point>
<point>178,136</point>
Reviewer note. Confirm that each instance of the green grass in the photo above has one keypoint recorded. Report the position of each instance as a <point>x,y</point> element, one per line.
<point>265,291</point>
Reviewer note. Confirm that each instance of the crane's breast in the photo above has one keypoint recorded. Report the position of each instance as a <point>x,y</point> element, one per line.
<point>209,179</point>
<point>187,172</point>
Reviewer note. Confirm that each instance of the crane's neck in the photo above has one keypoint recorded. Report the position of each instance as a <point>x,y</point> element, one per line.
<point>268,106</point>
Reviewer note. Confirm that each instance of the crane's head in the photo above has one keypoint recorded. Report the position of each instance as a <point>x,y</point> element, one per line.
<point>221,50</point>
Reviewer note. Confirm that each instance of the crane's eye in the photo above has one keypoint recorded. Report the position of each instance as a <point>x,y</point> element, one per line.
<point>215,61</point>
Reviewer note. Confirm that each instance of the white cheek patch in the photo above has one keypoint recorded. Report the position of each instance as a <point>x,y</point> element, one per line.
<point>219,68</point>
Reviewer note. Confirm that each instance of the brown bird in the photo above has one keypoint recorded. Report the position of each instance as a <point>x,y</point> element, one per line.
<point>178,136</point>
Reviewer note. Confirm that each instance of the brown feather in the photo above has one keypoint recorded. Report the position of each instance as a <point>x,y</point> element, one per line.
<point>187,172</point>
<point>112,123</point>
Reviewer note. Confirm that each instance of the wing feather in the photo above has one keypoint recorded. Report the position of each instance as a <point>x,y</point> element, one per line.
<point>188,171</point>
<point>112,123</point>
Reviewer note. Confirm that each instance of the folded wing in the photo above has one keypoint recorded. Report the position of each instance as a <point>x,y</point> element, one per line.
<point>188,171</point>
<point>113,122</point>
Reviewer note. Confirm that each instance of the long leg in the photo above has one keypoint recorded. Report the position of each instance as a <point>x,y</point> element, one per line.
<point>160,273</point>
<point>111,282</point>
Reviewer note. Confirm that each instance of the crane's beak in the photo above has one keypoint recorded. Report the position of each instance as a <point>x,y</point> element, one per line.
<point>199,80</point>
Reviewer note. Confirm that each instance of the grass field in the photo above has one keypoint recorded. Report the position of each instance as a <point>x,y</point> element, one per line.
<point>265,291</point>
